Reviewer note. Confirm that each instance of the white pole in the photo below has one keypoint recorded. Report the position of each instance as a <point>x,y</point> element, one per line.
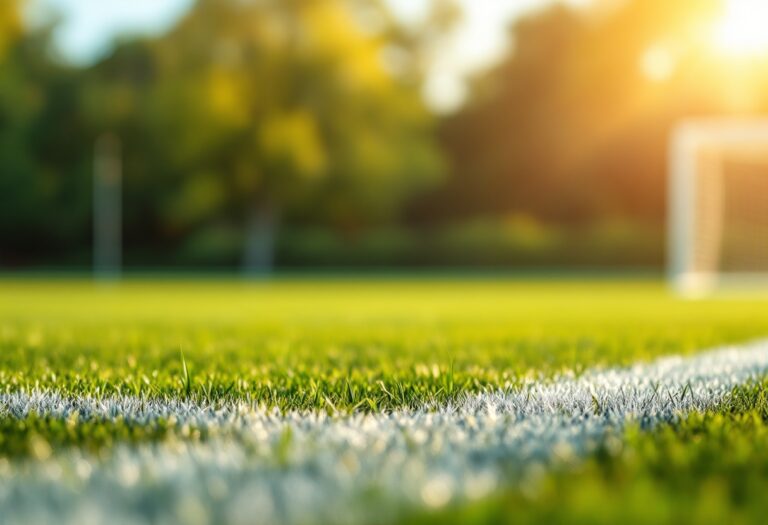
<point>107,208</point>
<point>680,208</point>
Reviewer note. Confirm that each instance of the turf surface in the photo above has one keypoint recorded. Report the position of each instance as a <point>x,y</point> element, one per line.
<point>346,344</point>
<point>707,468</point>
<point>370,346</point>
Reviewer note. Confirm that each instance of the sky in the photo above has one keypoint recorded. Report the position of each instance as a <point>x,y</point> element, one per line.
<point>480,39</point>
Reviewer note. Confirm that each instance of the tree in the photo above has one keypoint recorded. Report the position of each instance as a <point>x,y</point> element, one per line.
<point>259,111</point>
<point>10,25</point>
<point>43,181</point>
<point>570,129</point>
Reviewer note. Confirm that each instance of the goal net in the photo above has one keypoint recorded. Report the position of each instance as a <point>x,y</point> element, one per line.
<point>718,213</point>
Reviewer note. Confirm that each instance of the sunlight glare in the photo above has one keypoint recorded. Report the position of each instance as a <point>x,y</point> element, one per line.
<point>658,63</point>
<point>743,28</point>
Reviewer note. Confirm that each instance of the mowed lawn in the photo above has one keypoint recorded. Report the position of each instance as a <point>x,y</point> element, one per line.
<point>341,346</point>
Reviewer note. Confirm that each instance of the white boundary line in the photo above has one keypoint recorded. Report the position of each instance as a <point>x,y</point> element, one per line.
<point>265,467</point>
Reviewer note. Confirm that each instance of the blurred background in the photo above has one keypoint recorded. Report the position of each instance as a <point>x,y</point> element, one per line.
<point>255,135</point>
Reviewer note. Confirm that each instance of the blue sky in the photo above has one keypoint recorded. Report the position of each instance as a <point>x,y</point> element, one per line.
<point>89,26</point>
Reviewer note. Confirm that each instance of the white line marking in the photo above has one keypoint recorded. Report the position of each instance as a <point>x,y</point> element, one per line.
<point>264,467</point>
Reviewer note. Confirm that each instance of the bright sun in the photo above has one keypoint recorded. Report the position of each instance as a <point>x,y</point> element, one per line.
<point>743,28</point>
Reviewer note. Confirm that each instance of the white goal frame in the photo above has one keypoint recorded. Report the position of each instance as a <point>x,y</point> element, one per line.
<point>690,269</point>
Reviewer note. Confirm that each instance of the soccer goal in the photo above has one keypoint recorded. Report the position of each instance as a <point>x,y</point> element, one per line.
<point>718,205</point>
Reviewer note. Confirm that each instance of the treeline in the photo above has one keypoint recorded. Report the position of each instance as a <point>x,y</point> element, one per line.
<point>294,132</point>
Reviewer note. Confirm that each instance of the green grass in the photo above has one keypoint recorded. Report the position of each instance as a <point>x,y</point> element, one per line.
<point>706,468</point>
<point>355,345</point>
<point>343,345</point>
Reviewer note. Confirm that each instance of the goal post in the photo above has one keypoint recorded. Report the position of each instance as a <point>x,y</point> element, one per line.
<point>107,208</point>
<point>718,204</point>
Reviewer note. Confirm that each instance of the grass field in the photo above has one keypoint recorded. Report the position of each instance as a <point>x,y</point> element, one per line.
<point>362,401</point>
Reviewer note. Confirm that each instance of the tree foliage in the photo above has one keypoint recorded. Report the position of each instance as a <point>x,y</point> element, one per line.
<point>43,194</point>
<point>286,105</point>
<point>570,129</point>
<point>289,106</point>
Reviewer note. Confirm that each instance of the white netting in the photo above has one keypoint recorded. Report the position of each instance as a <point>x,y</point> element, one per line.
<point>744,245</point>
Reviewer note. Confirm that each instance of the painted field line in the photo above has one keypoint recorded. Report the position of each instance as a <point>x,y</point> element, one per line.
<point>264,467</point>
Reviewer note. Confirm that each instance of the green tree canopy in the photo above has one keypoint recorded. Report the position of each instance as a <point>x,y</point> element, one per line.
<point>43,198</point>
<point>250,110</point>
<point>570,127</point>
